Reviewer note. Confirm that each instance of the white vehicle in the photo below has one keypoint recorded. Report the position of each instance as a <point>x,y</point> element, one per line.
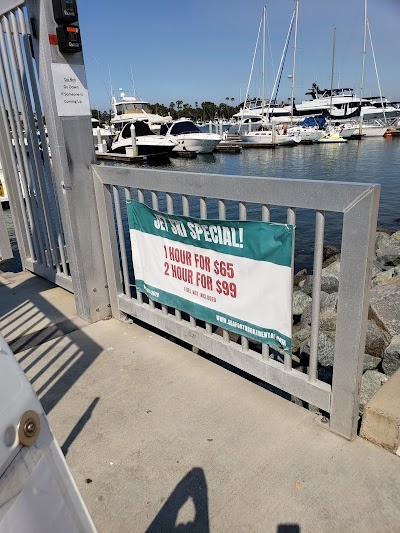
<point>189,138</point>
<point>147,142</point>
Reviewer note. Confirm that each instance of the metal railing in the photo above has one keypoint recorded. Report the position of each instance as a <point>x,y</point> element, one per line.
<point>25,157</point>
<point>192,194</point>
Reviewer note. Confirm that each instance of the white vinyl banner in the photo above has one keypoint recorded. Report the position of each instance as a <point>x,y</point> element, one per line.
<point>234,274</point>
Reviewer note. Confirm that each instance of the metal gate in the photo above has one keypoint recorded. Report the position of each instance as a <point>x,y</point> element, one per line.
<point>25,153</point>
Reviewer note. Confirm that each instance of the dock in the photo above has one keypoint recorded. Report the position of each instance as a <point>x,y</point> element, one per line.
<point>120,158</point>
<point>157,436</point>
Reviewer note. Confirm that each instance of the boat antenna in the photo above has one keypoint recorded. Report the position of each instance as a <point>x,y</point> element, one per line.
<point>133,83</point>
<point>294,55</point>
<point>376,72</point>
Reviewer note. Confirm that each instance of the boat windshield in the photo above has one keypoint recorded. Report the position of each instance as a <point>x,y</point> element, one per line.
<point>184,127</point>
<point>132,108</point>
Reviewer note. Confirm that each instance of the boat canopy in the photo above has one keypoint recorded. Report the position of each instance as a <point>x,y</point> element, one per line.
<point>313,121</point>
<point>141,128</point>
<point>184,126</point>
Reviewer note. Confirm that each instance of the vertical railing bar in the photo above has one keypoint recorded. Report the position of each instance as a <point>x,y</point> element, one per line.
<point>121,238</point>
<point>46,160</point>
<point>37,164</point>
<point>21,205</point>
<point>316,294</point>
<point>203,214</point>
<point>186,213</point>
<point>265,213</point>
<point>152,306</point>
<point>17,91</point>
<point>170,211</point>
<point>222,216</point>
<point>243,216</point>
<point>154,200</point>
<point>185,206</point>
<point>10,103</point>
<point>140,194</point>
<point>291,219</point>
<point>265,352</point>
<point>128,194</point>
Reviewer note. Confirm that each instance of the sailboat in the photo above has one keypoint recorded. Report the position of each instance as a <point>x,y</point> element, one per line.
<point>267,133</point>
<point>370,130</point>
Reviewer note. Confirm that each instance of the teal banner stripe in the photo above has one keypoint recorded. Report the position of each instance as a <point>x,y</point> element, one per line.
<point>257,333</point>
<point>261,241</point>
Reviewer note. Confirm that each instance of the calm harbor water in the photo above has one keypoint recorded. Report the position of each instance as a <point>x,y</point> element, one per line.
<point>374,160</point>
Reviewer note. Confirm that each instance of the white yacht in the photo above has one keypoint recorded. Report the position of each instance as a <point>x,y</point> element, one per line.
<point>189,138</point>
<point>147,142</point>
<point>269,136</point>
<point>130,108</point>
<point>343,104</point>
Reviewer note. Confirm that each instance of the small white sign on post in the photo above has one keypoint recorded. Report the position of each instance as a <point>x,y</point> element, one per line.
<point>70,87</point>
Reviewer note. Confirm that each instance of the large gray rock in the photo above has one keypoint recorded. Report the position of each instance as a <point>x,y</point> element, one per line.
<point>376,339</point>
<point>300,302</point>
<point>327,313</point>
<point>371,382</point>
<point>371,362</point>
<point>329,284</point>
<point>326,348</point>
<point>331,260</point>
<point>381,278</point>
<point>330,251</point>
<point>385,305</point>
<point>332,269</point>
<point>389,255</point>
<point>298,337</point>
<point>300,276</point>
<point>391,356</point>
<point>383,239</point>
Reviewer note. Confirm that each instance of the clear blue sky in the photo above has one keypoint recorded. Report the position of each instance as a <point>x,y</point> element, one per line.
<point>198,50</point>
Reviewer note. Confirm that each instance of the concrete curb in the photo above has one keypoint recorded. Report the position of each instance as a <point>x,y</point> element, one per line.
<point>381,420</point>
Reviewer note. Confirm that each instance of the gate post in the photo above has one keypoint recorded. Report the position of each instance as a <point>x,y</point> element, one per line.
<point>72,151</point>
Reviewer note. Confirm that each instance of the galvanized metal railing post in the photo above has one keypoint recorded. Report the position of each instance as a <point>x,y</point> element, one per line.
<point>72,149</point>
<point>358,240</point>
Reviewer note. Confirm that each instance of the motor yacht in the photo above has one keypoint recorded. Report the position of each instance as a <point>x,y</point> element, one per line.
<point>147,142</point>
<point>189,138</point>
<point>130,108</point>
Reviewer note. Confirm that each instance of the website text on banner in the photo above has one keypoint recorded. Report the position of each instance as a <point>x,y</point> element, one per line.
<point>233,274</point>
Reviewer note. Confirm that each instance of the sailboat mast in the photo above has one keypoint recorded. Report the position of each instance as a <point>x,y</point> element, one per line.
<point>294,54</point>
<point>263,69</point>
<point>376,72</point>
<point>333,67</point>
<point>363,62</point>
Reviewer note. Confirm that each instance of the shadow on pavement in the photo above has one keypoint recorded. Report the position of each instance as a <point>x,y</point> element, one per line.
<point>193,486</point>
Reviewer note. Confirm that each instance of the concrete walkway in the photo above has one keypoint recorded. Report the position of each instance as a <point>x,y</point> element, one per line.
<point>161,439</point>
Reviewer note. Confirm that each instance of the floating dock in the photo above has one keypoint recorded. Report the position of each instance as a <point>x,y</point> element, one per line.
<point>121,158</point>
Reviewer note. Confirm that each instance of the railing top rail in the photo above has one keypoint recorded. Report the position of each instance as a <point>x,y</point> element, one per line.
<point>9,5</point>
<point>309,194</point>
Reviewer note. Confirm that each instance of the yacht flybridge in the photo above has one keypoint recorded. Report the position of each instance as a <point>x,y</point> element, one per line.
<point>130,108</point>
